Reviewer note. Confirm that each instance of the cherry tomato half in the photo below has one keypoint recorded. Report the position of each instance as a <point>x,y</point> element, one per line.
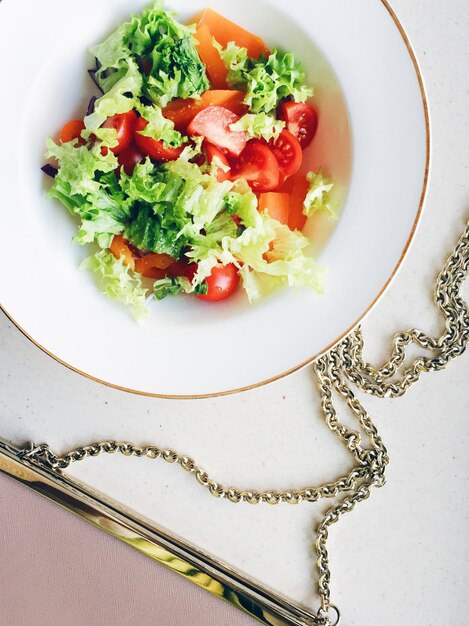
<point>212,152</point>
<point>301,120</point>
<point>258,165</point>
<point>71,130</point>
<point>287,150</point>
<point>129,158</point>
<point>221,284</point>
<point>157,150</point>
<point>214,124</point>
<point>123,123</point>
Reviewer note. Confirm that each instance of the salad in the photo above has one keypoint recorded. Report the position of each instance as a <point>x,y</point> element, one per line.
<point>185,172</point>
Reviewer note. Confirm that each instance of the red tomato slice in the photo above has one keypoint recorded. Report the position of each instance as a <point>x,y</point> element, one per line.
<point>157,150</point>
<point>301,120</point>
<point>258,165</point>
<point>214,123</point>
<point>182,112</point>
<point>129,158</point>
<point>212,152</point>
<point>124,125</point>
<point>221,284</point>
<point>288,152</point>
<point>71,130</point>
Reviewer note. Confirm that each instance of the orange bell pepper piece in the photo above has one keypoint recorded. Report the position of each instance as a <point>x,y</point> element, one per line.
<point>121,250</point>
<point>225,31</point>
<point>216,70</point>
<point>154,265</point>
<point>299,187</point>
<point>277,206</point>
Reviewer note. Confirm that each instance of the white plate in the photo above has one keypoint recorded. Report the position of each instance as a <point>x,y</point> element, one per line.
<point>187,348</point>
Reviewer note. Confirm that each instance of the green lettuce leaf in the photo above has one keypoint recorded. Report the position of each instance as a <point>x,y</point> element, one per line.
<point>159,127</point>
<point>187,171</point>
<point>203,245</point>
<point>122,97</point>
<point>87,186</point>
<point>259,126</point>
<point>118,281</point>
<point>202,198</point>
<point>79,165</point>
<point>318,196</point>
<point>179,208</point>
<point>258,285</point>
<point>145,183</point>
<point>105,216</point>
<point>173,202</point>
<point>157,233</point>
<point>177,72</point>
<point>76,204</point>
<point>242,201</point>
<point>214,246</point>
<point>271,256</point>
<point>192,150</point>
<point>163,48</point>
<point>210,203</point>
<point>266,80</point>
<point>171,287</point>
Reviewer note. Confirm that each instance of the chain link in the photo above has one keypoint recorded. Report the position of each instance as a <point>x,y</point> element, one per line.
<point>345,360</point>
<point>453,342</point>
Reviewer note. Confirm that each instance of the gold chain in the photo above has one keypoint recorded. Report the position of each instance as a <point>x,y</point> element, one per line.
<point>344,361</point>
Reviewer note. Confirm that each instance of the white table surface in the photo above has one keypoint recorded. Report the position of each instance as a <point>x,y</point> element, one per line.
<point>403,556</point>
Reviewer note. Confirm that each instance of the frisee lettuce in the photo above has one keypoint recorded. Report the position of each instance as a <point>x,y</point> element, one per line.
<point>267,254</point>
<point>159,213</point>
<point>122,97</point>
<point>174,203</point>
<point>103,217</point>
<point>157,233</point>
<point>211,240</point>
<point>143,185</point>
<point>193,149</point>
<point>118,281</point>
<point>86,184</point>
<point>259,126</point>
<point>267,81</point>
<point>79,165</point>
<point>318,196</point>
<point>171,287</point>
<point>164,51</point>
<point>159,127</point>
<point>271,264</point>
